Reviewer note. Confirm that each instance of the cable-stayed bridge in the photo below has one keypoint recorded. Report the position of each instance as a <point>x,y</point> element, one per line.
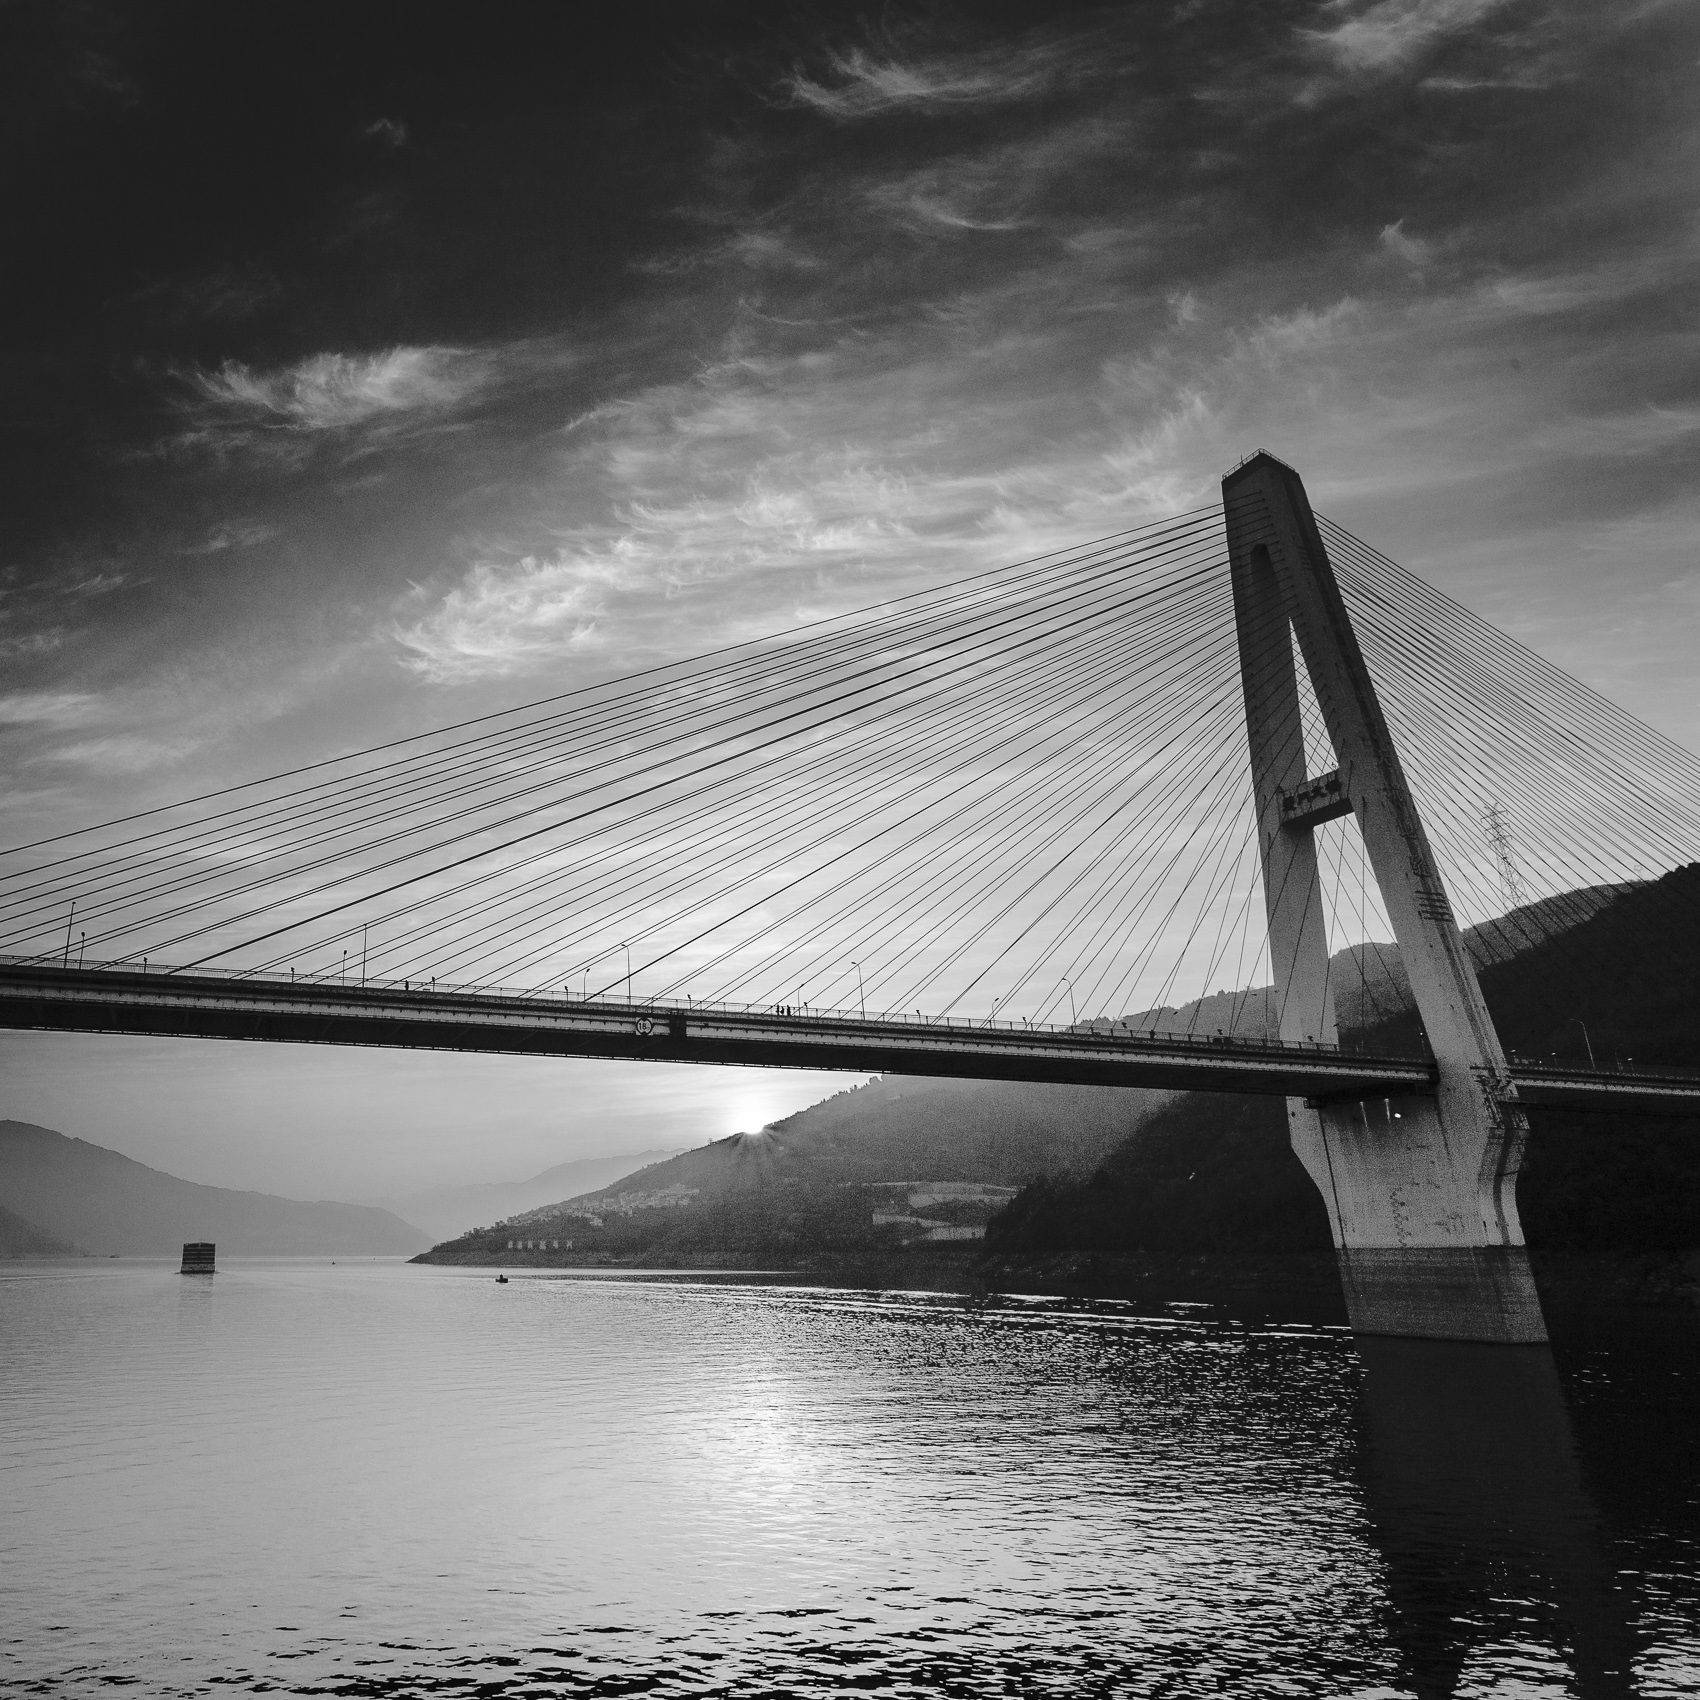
<point>1002,829</point>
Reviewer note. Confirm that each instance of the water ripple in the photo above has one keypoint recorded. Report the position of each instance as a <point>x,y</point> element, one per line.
<point>383,1481</point>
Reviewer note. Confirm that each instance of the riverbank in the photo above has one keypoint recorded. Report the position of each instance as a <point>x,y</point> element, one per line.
<point>1297,1286</point>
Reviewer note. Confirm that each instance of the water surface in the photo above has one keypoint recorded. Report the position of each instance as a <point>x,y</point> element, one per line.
<point>379,1480</point>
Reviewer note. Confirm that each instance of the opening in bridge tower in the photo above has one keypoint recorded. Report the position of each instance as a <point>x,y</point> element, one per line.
<point>1420,1190</point>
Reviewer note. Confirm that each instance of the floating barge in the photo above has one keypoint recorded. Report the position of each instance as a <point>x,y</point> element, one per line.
<point>197,1257</point>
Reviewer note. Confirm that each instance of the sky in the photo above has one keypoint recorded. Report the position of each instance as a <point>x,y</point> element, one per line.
<point>370,368</point>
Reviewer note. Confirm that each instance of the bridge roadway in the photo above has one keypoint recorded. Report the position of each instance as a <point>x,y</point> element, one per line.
<point>121,999</point>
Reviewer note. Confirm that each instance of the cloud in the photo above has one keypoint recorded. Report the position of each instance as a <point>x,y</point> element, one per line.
<point>122,753</point>
<point>1413,250</point>
<point>778,488</point>
<point>234,534</point>
<point>861,85</point>
<point>1305,331</point>
<point>920,208</point>
<point>858,84</point>
<point>25,646</point>
<point>504,617</point>
<point>1608,283</point>
<point>95,583</point>
<point>1387,34</point>
<point>354,402</point>
<point>507,617</point>
<point>1031,182</point>
<point>1600,435</point>
<point>59,709</point>
<point>335,392</point>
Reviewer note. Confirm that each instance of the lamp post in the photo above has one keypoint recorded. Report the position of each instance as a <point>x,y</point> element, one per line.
<point>1073,1013</point>
<point>603,957</point>
<point>861,996</point>
<point>1577,1021</point>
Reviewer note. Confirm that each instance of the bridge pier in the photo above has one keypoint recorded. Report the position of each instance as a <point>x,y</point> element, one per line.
<point>1420,1190</point>
<point>1425,1225</point>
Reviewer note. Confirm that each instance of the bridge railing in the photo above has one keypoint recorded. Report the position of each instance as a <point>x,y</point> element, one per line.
<point>1541,1080</point>
<point>1100,1027</point>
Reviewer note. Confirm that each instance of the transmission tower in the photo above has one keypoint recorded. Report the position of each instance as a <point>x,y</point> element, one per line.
<point>1499,842</point>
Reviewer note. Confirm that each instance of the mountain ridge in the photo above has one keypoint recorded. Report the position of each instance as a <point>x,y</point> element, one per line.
<point>104,1202</point>
<point>448,1210</point>
<point>19,1238</point>
<point>825,1184</point>
<point>814,1180</point>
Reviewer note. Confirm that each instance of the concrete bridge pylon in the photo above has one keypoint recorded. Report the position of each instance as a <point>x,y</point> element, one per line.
<point>1420,1189</point>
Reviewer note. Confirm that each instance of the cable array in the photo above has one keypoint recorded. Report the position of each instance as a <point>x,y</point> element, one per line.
<point>926,805</point>
<point>1514,761</point>
<point>1023,795</point>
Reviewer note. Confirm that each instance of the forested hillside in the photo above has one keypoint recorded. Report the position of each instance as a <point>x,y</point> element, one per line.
<point>1214,1178</point>
<point>809,1186</point>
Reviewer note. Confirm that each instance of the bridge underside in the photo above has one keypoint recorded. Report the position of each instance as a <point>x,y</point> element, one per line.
<point>124,1001</point>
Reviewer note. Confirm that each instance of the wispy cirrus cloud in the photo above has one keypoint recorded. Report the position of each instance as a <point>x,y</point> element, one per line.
<point>58,709</point>
<point>388,132</point>
<point>86,730</point>
<point>36,604</point>
<point>1386,35</point>
<point>1007,187</point>
<point>506,617</point>
<point>1403,245</point>
<point>121,753</point>
<point>31,646</point>
<point>354,401</point>
<point>858,83</point>
<point>776,488</point>
<point>234,534</point>
<point>333,392</point>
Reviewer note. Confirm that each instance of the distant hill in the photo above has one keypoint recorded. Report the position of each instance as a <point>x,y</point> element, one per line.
<point>904,1162</point>
<point>447,1210</point>
<point>929,1154</point>
<point>73,1191</point>
<point>1369,979</point>
<point>19,1238</point>
<point>1213,1177</point>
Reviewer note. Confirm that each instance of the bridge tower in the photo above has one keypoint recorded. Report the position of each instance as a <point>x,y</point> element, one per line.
<point>1420,1190</point>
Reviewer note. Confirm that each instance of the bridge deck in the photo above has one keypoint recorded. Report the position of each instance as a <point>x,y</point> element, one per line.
<point>110,999</point>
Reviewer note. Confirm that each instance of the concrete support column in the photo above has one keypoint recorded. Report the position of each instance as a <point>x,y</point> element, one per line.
<point>1414,1210</point>
<point>1421,1192</point>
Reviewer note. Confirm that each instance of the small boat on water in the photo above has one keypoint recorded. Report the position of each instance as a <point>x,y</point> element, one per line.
<point>501,1280</point>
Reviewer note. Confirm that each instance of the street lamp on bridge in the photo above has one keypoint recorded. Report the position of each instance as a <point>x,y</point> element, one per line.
<point>1577,1021</point>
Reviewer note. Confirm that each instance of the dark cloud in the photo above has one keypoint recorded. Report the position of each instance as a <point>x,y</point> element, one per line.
<point>539,318</point>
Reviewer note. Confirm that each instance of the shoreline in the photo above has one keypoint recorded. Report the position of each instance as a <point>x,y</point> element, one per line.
<point>1298,1286</point>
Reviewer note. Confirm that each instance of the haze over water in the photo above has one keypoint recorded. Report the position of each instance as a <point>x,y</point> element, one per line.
<point>369,1479</point>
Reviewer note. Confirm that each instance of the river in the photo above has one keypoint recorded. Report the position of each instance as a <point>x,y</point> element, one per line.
<point>370,1479</point>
